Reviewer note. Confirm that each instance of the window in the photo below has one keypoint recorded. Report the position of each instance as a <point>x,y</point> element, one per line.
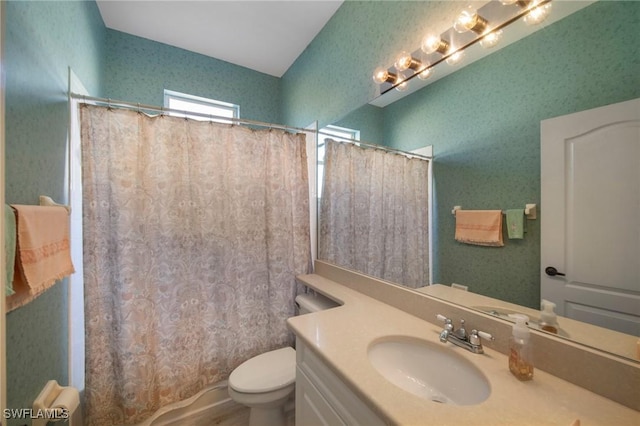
<point>335,133</point>
<point>203,107</point>
<point>338,133</point>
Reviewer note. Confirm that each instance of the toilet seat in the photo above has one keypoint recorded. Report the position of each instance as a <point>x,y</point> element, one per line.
<point>266,372</point>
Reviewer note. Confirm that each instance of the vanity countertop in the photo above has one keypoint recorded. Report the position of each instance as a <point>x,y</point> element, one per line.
<point>341,336</point>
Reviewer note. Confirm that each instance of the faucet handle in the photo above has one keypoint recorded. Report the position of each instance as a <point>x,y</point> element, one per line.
<point>442,318</point>
<point>485,335</point>
<point>448,324</point>
<point>475,337</point>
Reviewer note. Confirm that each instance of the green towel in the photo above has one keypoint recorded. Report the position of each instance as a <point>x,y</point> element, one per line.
<point>9,246</point>
<point>515,224</point>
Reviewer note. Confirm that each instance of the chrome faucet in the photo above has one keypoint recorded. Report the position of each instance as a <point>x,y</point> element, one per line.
<point>471,341</point>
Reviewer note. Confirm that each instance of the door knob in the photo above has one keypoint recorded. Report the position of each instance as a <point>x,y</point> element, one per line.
<point>552,272</point>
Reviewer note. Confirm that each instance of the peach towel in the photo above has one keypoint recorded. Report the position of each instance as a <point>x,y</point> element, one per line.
<point>479,227</point>
<point>42,254</point>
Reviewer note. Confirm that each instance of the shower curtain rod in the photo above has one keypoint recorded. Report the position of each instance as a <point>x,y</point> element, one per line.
<point>164,111</point>
<point>381,147</point>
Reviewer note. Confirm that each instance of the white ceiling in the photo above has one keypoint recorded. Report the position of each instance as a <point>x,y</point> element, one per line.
<point>263,35</point>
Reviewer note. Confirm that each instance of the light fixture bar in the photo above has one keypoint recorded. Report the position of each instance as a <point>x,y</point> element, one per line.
<point>523,12</point>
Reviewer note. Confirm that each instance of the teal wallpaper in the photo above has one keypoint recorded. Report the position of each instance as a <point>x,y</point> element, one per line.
<point>369,120</point>
<point>42,39</point>
<point>332,77</point>
<point>138,70</point>
<point>484,123</point>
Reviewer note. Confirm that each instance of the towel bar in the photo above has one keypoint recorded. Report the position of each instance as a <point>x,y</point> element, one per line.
<point>48,201</point>
<point>530,211</point>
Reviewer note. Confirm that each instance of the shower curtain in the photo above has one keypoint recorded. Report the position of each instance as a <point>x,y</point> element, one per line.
<point>193,235</point>
<point>374,213</point>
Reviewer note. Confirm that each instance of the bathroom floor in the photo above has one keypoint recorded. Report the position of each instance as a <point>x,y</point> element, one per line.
<point>233,414</point>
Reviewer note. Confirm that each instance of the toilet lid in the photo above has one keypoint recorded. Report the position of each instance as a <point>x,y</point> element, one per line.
<point>266,372</point>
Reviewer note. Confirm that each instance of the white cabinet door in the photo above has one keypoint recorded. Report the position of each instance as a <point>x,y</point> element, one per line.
<point>323,399</point>
<point>590,213</point>
<point>311,407</point>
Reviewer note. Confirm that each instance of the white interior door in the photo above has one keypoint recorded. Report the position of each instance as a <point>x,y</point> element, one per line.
<point>590,178</point>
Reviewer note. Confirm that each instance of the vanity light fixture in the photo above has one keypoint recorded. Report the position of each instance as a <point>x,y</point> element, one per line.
<point>455,57</point>
<point>401,83</point>
<point>405,61</point>
<point>469,20</point>
<point>433,43</point>
<point>426,72</point>
<point>538,13</point>
<point>470,27</point>
<point>491,39</point>
<point>380,75</point>
<point>538,9</point>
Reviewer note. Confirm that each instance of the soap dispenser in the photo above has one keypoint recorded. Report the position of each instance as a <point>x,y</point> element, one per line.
<point>520,354</point>
<point>548,318</point>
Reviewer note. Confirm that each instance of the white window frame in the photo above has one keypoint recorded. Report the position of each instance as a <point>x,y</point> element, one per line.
<point>204,108</point>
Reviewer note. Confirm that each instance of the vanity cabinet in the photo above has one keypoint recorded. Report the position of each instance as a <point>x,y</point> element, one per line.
<point>322,398</point>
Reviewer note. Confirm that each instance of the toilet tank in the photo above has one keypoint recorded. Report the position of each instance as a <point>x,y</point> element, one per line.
<point>309,302</point>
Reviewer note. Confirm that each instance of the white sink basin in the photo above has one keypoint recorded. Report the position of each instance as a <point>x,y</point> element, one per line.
<point>429,370</point>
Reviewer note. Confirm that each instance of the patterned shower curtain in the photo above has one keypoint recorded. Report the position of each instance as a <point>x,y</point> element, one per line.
<point>374,213</point>
<point>193,235</point>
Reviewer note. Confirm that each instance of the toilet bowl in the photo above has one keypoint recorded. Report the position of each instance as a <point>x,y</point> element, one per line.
<point>265,383</point>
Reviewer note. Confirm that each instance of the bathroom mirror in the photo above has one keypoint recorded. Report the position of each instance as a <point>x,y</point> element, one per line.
<point>483,122</point>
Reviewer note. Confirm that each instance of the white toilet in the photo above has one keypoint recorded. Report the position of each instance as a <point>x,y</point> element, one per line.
<point>265,383</point>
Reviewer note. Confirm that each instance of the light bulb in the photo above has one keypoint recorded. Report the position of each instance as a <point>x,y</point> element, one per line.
<point>381,75</point>
<point>537,14</point>
<point>455,58</point>
<point>469,20</point>
<point>491,39</point>
<point>508,2</point>
<point>433,43</point>
<point>402,85</point>
<point>406,61</point>
<point>426,72</point>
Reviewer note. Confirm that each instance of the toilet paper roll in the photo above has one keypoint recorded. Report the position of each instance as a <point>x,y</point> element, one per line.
<point>67,401</point>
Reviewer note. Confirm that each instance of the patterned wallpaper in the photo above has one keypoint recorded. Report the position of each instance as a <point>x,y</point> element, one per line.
<point>42,40</point>
<point>333,75</point>
<point>138,70</point>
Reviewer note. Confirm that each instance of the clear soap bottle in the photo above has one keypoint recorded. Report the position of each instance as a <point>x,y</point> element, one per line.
<point>520,353</point>
<point>548,318</point>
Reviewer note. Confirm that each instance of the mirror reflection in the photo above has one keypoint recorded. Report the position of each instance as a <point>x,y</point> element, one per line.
<point>484,124</point>
<point>374,210</point>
